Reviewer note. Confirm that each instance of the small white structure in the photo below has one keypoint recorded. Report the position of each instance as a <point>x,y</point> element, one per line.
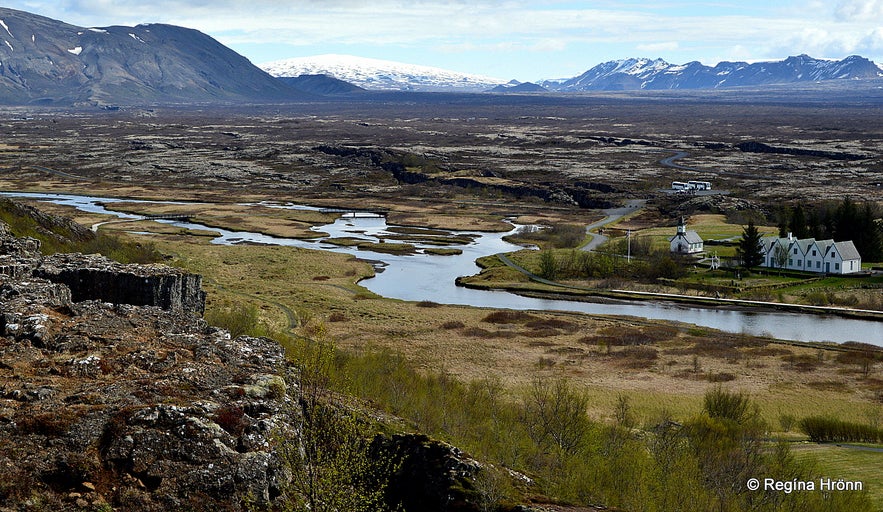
<point>811,255</point>
<point>685,242</point>
<point>691,185</point>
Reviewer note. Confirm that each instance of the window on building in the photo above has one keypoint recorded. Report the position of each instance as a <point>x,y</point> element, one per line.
<point>813,252</point>
<point>799,263</point>
<point>836,266</point>
<point>795,250</point>
<point>790,261</point>
<point>818,264</point>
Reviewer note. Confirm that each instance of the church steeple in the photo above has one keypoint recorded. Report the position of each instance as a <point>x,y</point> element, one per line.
<point>682,226</point>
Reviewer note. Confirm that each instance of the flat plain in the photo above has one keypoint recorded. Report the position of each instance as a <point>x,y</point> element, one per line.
<point>468,162</point>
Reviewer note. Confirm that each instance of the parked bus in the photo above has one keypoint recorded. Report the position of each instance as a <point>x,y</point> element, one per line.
<point>679,185</point>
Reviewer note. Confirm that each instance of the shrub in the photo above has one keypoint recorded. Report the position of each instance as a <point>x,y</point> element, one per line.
<point>636,357</point>
<point>822,429</point>
<point>47,424</point>
<point>720,377</point>
<point>787,421</point>
<point>729,405</point>
<point>239,319</point>
<point>337,317</point>
<point>508,317</point>
<point>552,323</point>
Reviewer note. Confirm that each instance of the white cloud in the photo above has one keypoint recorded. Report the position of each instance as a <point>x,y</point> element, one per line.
<point>668,46</point>
<point>589,30</point>
<point>859,10</point>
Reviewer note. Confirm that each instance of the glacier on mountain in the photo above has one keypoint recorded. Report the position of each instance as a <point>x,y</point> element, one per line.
<point>376,74</point>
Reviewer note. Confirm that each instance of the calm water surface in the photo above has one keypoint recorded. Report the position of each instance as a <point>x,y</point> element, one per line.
<point>431,277</point>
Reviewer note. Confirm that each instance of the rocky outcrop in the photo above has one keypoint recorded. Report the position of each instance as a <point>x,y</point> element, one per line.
<point>106,404</point>
<point>95,277</point>
<point>760,147</point>
<point>433,476</point>
<point>111,405</point>
<point>581,193</point>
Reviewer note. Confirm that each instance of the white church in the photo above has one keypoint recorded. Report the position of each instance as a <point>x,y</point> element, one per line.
<point>686,242</point>
<point>811,255</point>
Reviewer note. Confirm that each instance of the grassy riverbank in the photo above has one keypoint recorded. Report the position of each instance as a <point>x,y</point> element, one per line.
<point>661,370</point>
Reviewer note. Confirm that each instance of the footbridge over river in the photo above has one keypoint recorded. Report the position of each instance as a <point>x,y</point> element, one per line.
<point>355,212</point>
<point>178,217</point>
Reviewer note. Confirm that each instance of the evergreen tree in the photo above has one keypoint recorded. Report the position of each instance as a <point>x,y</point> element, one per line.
<point>798,225</point>
<point>749,247</point>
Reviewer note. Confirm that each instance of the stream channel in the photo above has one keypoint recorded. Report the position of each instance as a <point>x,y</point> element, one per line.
<point>418,277</point>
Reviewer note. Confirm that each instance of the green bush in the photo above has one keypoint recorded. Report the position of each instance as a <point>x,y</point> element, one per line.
<point>239,319</point>
<point>822,429</point>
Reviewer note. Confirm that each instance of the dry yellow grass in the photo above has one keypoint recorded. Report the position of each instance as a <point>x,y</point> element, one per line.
<point>321,285</point>
<point>287,282</point>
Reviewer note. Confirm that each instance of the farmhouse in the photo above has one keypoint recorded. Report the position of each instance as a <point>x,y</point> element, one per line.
<point>811,255</point>
<point>685,242</point>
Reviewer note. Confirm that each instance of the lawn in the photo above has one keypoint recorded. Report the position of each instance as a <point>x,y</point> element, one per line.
<point>850,464</point>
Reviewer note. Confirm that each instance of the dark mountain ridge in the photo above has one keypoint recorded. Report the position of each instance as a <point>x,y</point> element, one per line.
<point>51,62</point>
<point>322,85</point>
<point>647,74</point>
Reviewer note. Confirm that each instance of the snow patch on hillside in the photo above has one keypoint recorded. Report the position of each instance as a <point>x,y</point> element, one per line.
<point>376,74</point>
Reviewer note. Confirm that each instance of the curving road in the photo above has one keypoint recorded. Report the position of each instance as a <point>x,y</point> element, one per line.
<point>669,161</point>
<point>612,215</point>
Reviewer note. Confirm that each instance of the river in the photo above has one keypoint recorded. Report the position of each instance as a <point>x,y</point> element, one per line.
<point>422,276</point>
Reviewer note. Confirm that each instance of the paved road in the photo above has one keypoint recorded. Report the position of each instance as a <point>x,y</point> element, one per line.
<point>669,162</point>
<point>612,215</point>
<point>59,173</point>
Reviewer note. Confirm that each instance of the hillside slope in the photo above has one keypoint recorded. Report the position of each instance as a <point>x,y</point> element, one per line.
<point>51,62</point>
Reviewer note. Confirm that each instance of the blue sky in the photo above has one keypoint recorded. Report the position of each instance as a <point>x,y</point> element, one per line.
<point>525,40</point>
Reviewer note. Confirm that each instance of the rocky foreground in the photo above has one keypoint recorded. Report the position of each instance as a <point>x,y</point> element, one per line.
<point>116,395</point>
<point>141,406</point>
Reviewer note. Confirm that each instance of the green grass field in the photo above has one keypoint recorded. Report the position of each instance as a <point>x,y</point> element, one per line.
<point>850,464</point>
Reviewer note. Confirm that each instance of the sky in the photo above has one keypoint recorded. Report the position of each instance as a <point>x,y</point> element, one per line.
<point>506,39</point>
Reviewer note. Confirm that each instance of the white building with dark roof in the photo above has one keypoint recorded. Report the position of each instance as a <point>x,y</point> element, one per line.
<point>811,255</point>
<point>685,242</point>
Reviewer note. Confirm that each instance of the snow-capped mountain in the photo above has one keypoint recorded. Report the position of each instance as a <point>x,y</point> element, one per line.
<point>633,74</point>
<point>375,74</point>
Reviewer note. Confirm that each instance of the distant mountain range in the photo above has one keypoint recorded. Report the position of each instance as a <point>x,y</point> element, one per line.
<point>381,75</point>
<point>43,61</point>
<point>635,74</point>
<point>618,75</point>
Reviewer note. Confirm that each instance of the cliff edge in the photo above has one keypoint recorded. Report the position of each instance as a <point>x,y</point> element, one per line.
<point>114,393</point>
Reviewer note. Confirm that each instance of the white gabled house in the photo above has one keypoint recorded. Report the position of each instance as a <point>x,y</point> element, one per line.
<point>686,242</point>
<point>811,255</point>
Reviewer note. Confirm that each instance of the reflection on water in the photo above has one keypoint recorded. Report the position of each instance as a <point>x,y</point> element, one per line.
<point>421,276</point>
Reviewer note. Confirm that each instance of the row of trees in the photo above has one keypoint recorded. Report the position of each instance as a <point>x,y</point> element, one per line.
<point>844,220</point>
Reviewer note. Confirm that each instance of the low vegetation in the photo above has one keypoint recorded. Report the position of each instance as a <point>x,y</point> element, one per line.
<point>543,431</point>
<point>541,428</point>
<point>57,236</point>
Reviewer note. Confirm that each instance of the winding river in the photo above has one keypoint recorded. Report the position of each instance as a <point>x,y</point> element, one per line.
<point>431,277</point>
